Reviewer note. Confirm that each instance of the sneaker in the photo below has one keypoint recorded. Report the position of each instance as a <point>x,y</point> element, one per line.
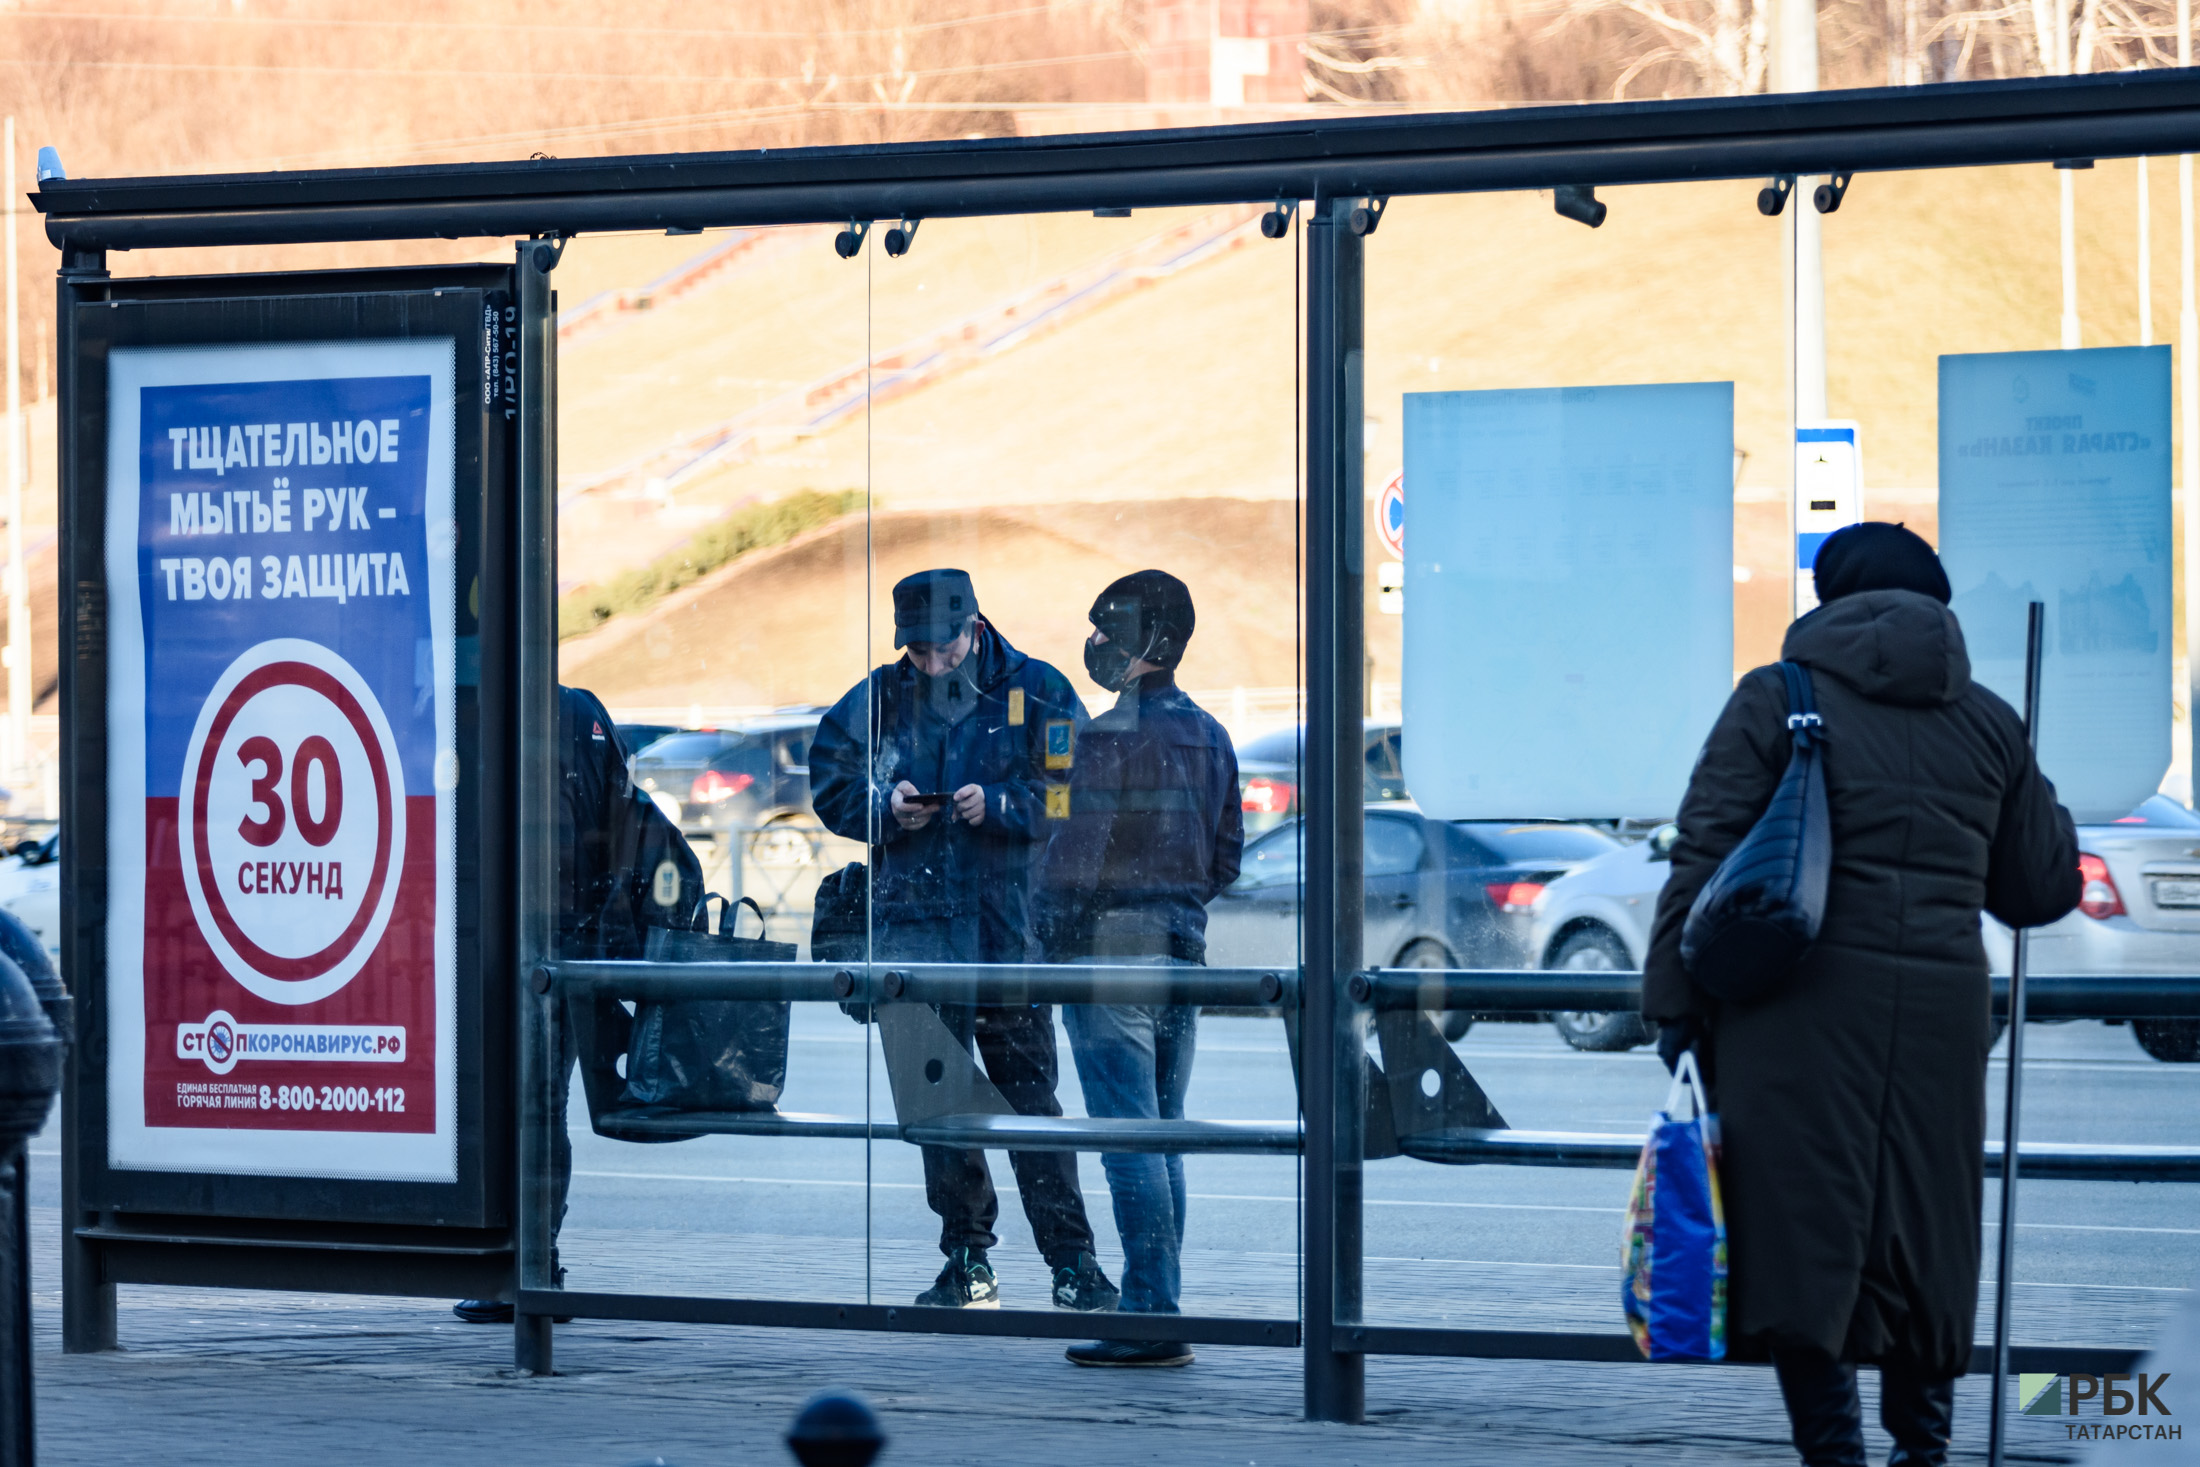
<point>483,1311</point>
<point>965,1283</point>
<point>1082,1286</point>
<point>1129,1355</point>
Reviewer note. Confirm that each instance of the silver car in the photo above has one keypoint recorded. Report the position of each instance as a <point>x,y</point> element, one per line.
<point>2140,914</point>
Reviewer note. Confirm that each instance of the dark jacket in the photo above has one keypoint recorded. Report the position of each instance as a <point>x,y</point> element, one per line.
<point>1852,1101</point>
<point>612,843</point>
<point>949,869</point>
<point>1156,826</point>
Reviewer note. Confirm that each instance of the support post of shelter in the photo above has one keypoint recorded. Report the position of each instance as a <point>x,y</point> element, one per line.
<point>87,1294</point>
<point>539,1074</point>
<point>1333,1086</point>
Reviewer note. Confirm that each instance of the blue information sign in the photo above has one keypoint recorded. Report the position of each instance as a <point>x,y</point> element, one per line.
<point>1571,584</point>
<point>2055,487</point>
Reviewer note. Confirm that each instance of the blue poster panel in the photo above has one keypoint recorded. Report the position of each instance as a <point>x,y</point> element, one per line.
<point>1569,596</point>
<point>2055,487</point>
<point>282,761</point>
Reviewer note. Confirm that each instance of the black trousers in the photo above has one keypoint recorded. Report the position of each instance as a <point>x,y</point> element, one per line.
<point>1827,1417</point>
<point>1016,1046</point>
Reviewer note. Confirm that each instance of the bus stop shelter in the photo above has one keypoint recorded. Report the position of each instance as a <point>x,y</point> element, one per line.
<point>462,1203</point>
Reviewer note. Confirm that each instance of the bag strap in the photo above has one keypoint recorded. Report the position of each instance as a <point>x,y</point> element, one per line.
<point>699,919</point>
<point>1803,722</point>
<point>763,928</point>
<point>1688,1083</point>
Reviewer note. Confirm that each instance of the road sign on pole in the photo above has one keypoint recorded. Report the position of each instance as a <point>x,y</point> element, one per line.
<point>1390,516</point>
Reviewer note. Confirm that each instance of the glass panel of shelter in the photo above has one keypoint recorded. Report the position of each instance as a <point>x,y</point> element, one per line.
<point>1928,278</point>
<point>1084,608</point>
<point>1520,402</point>
<point>713,451</point>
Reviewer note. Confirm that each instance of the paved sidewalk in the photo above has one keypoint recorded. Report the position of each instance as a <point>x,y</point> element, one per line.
<point>235,1380</point>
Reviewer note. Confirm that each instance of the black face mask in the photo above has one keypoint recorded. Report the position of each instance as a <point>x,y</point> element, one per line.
<point>951,694</point>
<point>1109,664</point>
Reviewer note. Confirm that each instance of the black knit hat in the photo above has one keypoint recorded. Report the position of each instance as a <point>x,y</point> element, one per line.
<point>1875,556</point>
<point>1150,613</point>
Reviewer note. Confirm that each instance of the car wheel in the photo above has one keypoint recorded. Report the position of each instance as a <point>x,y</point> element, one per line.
<point>1426,954</point>
<point>1597,950</point>
<point>2173,1041</point>
<point>786,839</point>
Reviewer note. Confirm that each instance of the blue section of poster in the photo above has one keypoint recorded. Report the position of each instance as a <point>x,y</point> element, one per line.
<point>1569,629</point>
<point>285,509</point>
<point>2055,487</point>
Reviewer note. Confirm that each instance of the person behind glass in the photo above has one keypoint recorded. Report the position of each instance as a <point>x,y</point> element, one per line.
<point>1153,832</point>
<point>952,803</point>
<point>611,841</point>
<point>1852,1100</point>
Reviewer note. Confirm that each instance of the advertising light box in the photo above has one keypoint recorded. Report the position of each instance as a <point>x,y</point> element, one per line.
<point>282,760</point>
<point>1569,637</point>
<point>2055,487</point>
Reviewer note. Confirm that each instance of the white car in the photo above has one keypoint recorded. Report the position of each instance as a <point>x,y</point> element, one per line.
<point>30,887</point>
<point>2140,914</point>
<point>1596,918</point>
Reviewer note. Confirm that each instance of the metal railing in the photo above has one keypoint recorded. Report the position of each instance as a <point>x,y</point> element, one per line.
<point>1403,1120</point>
<point>1436,1128</point>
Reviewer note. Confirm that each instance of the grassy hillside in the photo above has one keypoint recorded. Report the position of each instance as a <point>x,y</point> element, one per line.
<point>1187,390</point>
<point>802,623</point>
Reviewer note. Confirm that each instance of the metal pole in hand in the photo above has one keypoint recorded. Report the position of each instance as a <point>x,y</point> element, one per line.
<point>2005,1248</point>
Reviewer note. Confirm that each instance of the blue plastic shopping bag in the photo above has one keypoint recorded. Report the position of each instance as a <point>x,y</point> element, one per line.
<point>1674,1263</point>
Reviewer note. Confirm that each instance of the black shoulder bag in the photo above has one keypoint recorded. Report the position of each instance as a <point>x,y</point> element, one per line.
<point>710,1054</point>
<point>1760,911</point>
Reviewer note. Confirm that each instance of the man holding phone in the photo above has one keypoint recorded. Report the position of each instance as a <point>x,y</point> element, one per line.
<point>939,762</point>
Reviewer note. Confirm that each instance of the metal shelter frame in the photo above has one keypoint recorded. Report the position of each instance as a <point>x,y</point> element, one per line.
<point>1345,170</point>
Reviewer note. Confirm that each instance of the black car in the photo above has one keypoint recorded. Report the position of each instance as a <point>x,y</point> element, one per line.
<point>1270,769</point>
<point>710,781</point>
<point>1440,893</point>
<point>639,736</point>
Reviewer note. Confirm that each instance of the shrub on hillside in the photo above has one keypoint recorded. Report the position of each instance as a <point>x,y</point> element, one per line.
<point>751,527</point>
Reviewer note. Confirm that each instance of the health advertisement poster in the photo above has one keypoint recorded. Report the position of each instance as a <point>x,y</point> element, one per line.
<point>282,762</point>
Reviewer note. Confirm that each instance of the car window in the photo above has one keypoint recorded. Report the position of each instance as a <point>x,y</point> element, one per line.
<point>1272,860</point>
<point>794,748</point>
<point>1384,780</point>
<point>1394,847</point>
<point>1515,843</point>
<point>681,747</point>
<point>1280,747</point>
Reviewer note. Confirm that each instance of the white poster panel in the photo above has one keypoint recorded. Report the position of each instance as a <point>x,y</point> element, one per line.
<point>1569,579</point>
<point>2055,487</point>
<point>282,760</point>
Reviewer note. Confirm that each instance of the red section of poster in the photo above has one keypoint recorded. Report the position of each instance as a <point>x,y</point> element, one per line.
<point>361,1059</point>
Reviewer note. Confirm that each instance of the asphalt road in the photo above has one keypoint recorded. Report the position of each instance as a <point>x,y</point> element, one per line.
<point>1497,1247</point>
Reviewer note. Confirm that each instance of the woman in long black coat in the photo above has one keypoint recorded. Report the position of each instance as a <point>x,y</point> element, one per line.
<point>1852,1101</point>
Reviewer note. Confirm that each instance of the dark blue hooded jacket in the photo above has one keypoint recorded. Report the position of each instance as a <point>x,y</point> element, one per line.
<point>1155,830</point>
<point>950,870</point>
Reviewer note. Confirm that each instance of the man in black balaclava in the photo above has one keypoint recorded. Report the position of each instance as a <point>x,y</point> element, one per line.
<point>1153,833</point>
<point>938,762</point>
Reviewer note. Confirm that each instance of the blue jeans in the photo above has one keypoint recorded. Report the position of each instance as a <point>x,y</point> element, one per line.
<point>1136,1060</point>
